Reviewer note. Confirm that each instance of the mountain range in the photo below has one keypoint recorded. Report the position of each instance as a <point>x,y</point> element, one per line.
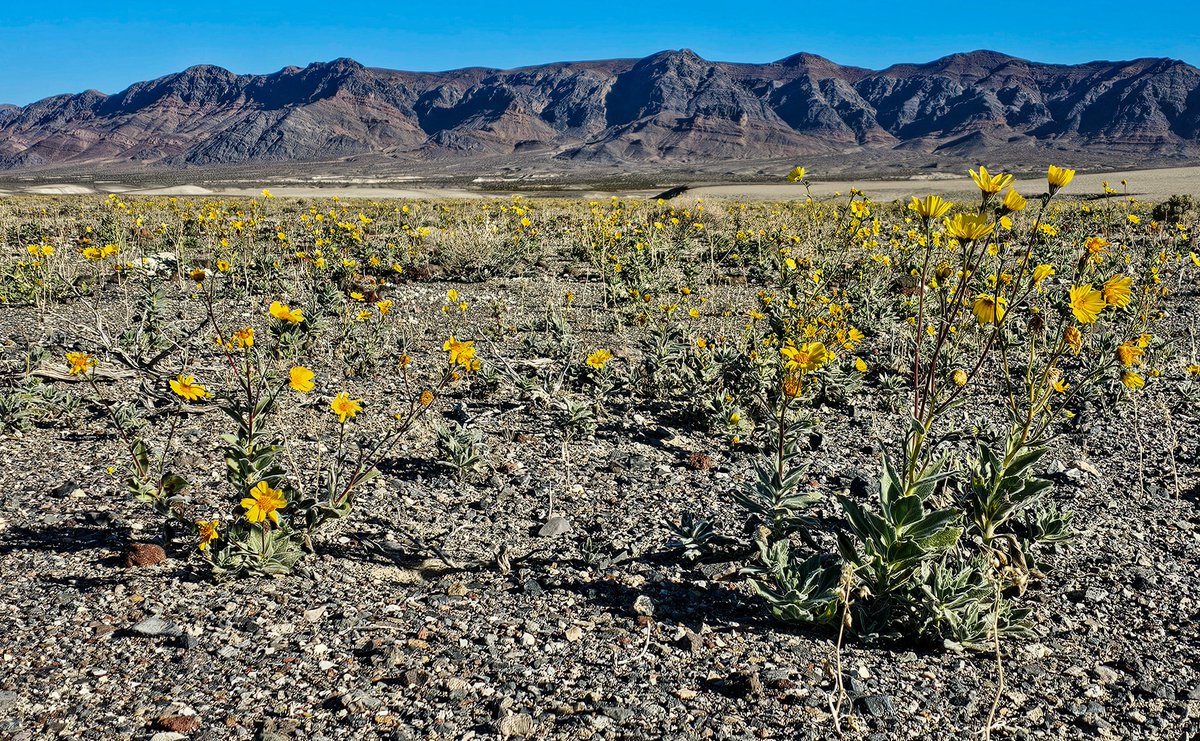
<point>670,107</point>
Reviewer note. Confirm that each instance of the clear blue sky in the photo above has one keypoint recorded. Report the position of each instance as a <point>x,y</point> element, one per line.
<point>58,46</point>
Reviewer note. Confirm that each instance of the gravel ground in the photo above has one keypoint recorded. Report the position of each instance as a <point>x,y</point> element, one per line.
<point>589,632</point>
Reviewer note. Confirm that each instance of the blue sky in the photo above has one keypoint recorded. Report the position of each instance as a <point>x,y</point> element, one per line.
<point>65,46</point>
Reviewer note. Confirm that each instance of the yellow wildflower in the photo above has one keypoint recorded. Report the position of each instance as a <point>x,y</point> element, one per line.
<point>345,407</point>
<point>598,358</point>
<point>990,184</point>
<point>968,227</point>
<point>988,309</point>
<point>80,363</point>
<point>1013,201</point>
<point>208,532</point>
<point>1116,291</point>
<point>1058,178</point>
<point>284,313</point>
<point>1132,380</point>
<point>1086,304</point>
<point>264,502</point>
<point>930,207</point>
<point>807,358</point>
<point>244,337</point>
<point>300,379</point>
<point>1041,273</point>
<point>187,388</point>
<point>461,352</point>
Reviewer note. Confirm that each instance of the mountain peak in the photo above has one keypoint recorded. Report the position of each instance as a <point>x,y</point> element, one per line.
<point>979,56</point>
<point>204,70</point>
<point>802,57</point>
<point>673,56</point>
<point>341,64</point>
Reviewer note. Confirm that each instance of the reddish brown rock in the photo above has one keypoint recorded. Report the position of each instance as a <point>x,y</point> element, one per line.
<point>143,554</point>
<point>178,723</point>
<point>700,461</point>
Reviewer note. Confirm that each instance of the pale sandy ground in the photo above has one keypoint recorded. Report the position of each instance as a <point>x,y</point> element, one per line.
<point>325,191</point>
<point>285,191</point>
<point>1150,185</point>
<point>58,190</point>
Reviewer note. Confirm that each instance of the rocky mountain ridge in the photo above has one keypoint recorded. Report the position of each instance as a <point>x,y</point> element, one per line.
<point>670,107</point>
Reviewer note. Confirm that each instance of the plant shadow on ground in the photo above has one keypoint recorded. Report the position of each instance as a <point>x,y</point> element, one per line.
<point>409,468</point>
<point>1192,495</point>
<point>63,539</point>
<point>107,543</point>
<point>370,544</point>
<point>720,605</point>
<point>683,603</point>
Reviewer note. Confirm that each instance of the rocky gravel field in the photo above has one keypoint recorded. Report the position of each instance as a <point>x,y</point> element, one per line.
<point>538,599</point>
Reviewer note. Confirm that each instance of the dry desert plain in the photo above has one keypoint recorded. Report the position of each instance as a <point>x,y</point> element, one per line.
<point>1147,185</point>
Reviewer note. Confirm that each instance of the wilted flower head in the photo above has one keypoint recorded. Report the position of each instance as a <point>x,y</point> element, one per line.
<point>208,532</point>
<point>1073,338</point>
<point>1129,354</point>
<point>792,385</point>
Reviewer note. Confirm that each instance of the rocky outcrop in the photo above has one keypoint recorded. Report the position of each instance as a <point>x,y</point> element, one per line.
<point>672,106</point>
